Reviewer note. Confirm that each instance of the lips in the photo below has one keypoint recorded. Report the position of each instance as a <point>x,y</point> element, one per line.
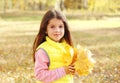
<point>56,34</point>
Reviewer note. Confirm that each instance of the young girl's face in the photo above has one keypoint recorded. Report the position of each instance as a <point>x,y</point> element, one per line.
<point>55,29</point>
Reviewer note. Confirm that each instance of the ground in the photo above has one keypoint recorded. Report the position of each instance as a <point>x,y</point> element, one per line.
<point>102,37</point>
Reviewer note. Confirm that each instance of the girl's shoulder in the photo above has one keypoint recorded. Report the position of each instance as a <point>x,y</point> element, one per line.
<point>41,45</point>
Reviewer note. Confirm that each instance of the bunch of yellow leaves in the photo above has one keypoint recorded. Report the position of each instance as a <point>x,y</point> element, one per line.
<point>83,61</point>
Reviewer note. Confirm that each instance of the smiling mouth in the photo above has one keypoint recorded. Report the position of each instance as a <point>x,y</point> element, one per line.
<point>56,34</point>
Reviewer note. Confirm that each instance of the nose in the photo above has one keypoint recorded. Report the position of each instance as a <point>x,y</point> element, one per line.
<point>57,29</point>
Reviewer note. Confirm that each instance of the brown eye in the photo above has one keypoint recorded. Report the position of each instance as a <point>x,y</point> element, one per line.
<point>61,26</point>
<point>52,27</point>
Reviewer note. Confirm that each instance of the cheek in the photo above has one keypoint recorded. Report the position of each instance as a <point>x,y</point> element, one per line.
<point>63,31</point>
<point>49,32</point>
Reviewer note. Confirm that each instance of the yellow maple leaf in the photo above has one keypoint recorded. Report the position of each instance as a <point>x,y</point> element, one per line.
<point>83,61</point>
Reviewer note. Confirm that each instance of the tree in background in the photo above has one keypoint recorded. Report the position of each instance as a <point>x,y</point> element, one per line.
<point>76,4</point>
<point>91,5</point>
<point>59,4</point>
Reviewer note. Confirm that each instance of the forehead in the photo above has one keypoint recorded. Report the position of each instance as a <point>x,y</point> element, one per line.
<point>55,21</point>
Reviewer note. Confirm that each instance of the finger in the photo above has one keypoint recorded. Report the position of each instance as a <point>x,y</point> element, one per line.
<point>71,70</point>
<point>71,67</point>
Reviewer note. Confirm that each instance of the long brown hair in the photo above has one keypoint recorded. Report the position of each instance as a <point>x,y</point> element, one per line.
<point>41,34</point>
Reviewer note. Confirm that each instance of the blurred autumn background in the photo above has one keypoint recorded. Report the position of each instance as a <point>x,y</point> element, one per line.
<point>94,24</point>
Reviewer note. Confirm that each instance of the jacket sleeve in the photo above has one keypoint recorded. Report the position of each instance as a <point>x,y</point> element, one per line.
<point>41,70</point>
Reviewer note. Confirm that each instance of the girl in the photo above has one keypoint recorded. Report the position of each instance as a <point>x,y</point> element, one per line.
<point>53,50</point>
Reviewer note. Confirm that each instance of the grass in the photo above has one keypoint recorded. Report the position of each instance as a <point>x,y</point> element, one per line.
<point>105,45</point>
<point>16,39</point>
<point>22,18</point>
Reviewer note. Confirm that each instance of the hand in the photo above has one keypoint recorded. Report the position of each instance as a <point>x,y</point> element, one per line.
<point>70,69</point>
